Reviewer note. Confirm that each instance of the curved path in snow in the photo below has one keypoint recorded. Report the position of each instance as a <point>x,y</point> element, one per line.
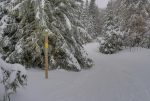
<point>124,76</point>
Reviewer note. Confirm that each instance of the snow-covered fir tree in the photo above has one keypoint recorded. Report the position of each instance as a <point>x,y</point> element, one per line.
<point>94,18</point>
<point>112,41</point>
<point>83,22</point>
<point>12,76</point>
<point>23,24</point>
<point>132,18</point>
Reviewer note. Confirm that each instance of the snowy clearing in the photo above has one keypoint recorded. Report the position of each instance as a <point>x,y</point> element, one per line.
<point>119,77</point>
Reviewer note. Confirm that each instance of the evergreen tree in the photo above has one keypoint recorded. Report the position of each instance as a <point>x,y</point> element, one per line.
<point>23,27</point>
<point>111,31</point>
<point>134,20</point>
<point>12,76</point>
<point>132,17</point>
<point>94,18</point>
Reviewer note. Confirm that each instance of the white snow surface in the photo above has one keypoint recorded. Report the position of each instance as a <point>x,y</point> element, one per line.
<point>120,77</point>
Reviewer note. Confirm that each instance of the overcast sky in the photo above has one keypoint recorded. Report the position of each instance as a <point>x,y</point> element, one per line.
<point>102,3</point>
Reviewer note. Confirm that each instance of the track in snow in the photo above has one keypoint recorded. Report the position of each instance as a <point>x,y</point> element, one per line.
<point>120,77</point>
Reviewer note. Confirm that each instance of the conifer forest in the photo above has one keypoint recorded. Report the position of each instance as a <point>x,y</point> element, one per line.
<point>74,50</point>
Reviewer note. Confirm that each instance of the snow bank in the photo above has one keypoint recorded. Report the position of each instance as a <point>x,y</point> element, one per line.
<point>12,76</point>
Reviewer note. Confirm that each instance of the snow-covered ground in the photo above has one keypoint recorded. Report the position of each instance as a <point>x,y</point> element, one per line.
<point>120,77</point>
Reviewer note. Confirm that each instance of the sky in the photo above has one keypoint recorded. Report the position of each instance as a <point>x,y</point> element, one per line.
<point>102,3</point>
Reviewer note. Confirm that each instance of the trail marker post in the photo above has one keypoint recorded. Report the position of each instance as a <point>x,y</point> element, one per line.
<point>46,54</point>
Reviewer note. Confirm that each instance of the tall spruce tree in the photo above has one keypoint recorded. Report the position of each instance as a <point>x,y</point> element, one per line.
<point>112,41</point>
<point>23,25</point>
<point>94,18</point>
<point>132,17</point>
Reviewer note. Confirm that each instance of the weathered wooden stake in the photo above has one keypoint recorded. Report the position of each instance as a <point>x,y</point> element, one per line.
<point>46,55</point>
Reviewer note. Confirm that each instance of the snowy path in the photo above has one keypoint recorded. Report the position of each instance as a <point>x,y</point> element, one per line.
<point>120,77</point>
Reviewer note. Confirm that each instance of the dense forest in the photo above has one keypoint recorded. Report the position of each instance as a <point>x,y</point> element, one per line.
<point>126,24</point>
<point>70,24</point>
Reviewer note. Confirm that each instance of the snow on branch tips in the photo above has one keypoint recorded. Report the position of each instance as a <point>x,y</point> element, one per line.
<point>12,76</point>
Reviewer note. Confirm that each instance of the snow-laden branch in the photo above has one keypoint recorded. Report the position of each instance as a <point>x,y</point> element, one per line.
<point>12,76</point>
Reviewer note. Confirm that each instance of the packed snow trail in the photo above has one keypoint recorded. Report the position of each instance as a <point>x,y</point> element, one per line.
<point>120,77</point>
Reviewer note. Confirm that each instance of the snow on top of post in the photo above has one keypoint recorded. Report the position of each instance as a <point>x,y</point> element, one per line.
<point>49,32</point>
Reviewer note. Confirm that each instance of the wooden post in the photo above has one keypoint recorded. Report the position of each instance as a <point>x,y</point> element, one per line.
<point>46,55</point>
